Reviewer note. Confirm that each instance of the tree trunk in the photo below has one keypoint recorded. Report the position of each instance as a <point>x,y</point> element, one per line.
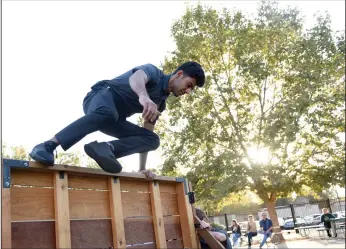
<point>273,215</point>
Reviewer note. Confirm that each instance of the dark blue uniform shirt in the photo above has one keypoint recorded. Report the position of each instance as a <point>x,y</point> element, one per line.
<point>126,99</point>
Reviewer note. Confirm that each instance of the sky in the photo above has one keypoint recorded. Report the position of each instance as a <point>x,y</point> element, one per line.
<point>54,51</point>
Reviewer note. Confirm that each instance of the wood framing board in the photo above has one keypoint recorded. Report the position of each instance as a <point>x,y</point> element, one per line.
<point>6,218</point>
<point>62,212</point>
<point>116,210</point>
<point>186,217</point>
<point>159,228</point>
<point>86,171</point>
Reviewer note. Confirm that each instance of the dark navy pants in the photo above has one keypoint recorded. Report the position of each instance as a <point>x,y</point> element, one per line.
<point>101,114</point>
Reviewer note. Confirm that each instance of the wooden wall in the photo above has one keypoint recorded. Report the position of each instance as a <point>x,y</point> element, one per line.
<point>67,209</point>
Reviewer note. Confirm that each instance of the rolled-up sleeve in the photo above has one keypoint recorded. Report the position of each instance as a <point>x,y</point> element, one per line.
<point>152,72</point>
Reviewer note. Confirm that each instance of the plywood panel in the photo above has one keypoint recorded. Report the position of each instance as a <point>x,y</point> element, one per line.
<point>143,246</point>
<point>31,178</point>
<point>136,204</point>
<point>87,182</point>
<point>86,204</point>
<point>33,234</point>
<point>172,227</point>
<point>169,204</point>
<point>168,187</point>
<point>32,203</point>
<point>175,244</point>
<point>135,186</point>
<point>139,230</point>
<point>91,234</point>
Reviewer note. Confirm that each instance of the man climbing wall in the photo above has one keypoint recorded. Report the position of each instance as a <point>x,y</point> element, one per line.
<point>143,89</point>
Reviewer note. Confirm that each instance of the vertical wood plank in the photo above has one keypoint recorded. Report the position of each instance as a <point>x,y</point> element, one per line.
<point>160,236</point>
<point>6,218</point>
<point>186,218</point>
<point>62,212</point>
<point>116,213</point>
<point>194,215</point>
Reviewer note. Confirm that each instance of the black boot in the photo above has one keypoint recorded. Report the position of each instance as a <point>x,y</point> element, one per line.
<point>43,153</point>
<point>103,156</point>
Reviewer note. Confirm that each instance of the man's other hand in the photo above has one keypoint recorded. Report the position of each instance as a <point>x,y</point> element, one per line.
<point>204,224</point>
<point>150,112</point>
<point>149,174</point>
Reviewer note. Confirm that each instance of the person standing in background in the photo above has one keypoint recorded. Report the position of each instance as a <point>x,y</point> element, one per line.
<point>325,218</point>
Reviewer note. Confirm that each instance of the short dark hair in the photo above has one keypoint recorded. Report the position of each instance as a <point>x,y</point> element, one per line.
<point>201,214</point>
<point>193,70</point>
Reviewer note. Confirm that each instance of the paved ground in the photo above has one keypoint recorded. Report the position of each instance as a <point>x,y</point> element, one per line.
<point>294,240</point>
<point>313,243</point>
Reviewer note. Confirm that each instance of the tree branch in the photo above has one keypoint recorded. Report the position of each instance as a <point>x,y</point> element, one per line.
<point>274,105</point>
<point>218,116</point>
<point>262,103</point>
<point>234,124</point>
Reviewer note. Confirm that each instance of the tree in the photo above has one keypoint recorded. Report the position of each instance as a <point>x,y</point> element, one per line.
<point>68,158</point>
<point>14,152</point>
<point>271,113</point>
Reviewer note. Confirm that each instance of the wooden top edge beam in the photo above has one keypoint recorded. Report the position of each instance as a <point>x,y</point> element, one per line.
<point>35,166</point>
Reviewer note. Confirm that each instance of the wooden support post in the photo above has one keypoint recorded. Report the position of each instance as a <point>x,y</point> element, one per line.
<point>6,218</point>
<point>160,236</point>
<point>194,214</point>
<point>62,211</point>
<point>116,208</point>
<point>186,218</point>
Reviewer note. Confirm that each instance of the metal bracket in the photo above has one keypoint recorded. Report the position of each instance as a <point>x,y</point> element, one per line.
<point>181,179</point>
<point>7,164</point>
<point>191,197</point>
<point>115,179</point>
<point>61,174</point>
<point>155,183</point>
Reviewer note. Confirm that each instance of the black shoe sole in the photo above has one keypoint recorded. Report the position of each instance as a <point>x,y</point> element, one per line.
<point>41,160</point>
<point>107,164</point>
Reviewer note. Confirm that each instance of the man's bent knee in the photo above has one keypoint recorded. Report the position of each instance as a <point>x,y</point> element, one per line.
<point>154,141</point>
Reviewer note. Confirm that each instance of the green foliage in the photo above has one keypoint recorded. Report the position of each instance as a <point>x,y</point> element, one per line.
<point>68,158</point>
<point>14,152</point>
<point>270,86</point>
<point>90,163</point>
